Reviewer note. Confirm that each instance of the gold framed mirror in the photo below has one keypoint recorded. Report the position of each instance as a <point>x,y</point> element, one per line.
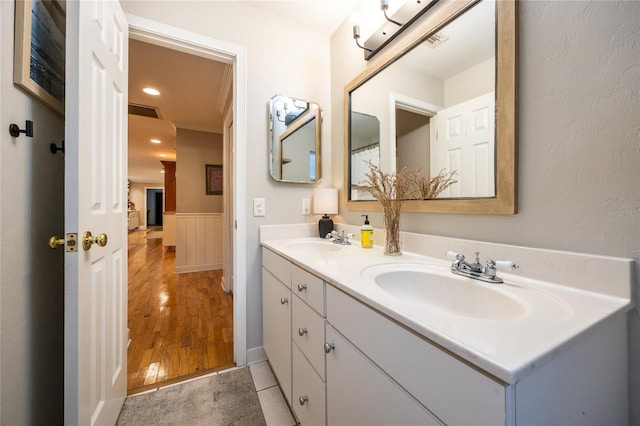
<point>371,98</point>
<point>294,140</point>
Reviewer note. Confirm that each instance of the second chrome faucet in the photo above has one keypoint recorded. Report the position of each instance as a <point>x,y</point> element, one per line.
<point>476,271</point>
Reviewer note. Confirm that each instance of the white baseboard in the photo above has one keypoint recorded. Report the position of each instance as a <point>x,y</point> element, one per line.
<point>197,268</point>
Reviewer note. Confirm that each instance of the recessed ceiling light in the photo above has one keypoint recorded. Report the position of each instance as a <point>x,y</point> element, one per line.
<point>151,91</point>
<point>155,141</point>
<point>162,171</point>
<point>163,155</point>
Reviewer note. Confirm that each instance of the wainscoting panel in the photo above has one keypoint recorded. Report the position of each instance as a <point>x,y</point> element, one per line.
<point>198,241</point>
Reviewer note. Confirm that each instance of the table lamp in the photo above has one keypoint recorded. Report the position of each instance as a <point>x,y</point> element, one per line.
<point>325,202</point>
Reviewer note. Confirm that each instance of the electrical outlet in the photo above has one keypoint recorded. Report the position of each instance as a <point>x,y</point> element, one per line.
<point>259,207</point>
<point>306,207</point>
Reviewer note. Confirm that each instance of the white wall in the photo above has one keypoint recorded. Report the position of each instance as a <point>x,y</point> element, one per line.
<point>31,274</point>
<point>194,150</point>
<point>282,58</point>
<point>579,156</point>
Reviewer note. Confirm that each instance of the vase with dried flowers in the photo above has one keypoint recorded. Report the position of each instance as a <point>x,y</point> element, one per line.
<point>393,189</point>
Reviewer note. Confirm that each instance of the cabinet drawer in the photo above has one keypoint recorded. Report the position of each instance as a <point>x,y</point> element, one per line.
<point>307,329</point>
<point>278,266</point>
<point>309,288</point>
<point>358,393</point>
<point>438,380</point>
<point>310,410</point>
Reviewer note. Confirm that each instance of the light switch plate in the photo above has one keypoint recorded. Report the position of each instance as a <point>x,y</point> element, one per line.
<point>306,207</point>
<point>259,207</point>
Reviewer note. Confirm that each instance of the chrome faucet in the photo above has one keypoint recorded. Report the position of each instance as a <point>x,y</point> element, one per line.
<point>475,270</point>
<point>341,239</point>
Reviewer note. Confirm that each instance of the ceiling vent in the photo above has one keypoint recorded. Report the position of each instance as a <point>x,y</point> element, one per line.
<point>144,111</point>
<point>435,40</point>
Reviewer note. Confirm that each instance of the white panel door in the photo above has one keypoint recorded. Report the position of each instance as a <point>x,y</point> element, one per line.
<point>96,201</point>
<point>466,142</point>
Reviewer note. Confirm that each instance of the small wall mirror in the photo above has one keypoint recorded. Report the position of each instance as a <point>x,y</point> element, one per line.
<point>294,140</point>
<point>444,102</point>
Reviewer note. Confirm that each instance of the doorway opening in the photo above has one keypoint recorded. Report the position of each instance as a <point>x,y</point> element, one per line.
<point>154,209</point>
<point>181,325</point>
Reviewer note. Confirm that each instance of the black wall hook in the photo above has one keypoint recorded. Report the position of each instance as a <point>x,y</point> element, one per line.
<point>14,129</point>
<point>54,148</point>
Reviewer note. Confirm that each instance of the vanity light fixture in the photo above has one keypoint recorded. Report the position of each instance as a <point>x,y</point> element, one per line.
<point>406,15</point>
<point>151,91</point>
<point>384,6</point>
<point>356,37</point>
<point>325,202</point>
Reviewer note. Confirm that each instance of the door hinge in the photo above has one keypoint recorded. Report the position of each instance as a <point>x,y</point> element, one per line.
<point>72,242</point>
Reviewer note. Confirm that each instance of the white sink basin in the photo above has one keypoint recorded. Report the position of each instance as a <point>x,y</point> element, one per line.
<point>437,288</point>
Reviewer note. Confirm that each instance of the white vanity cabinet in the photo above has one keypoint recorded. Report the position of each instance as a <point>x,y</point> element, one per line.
<point>343,358</point>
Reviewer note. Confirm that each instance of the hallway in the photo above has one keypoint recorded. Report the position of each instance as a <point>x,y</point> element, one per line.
<point>181,325</point>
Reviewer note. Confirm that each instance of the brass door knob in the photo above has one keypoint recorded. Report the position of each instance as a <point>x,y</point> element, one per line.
<point>55,242</point>
<point>88,240</point>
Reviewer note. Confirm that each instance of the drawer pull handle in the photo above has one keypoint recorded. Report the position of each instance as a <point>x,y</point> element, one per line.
<point>284,300</point>
<point>303,400</point>
<point>302,331</point>
<point>328,347</point>
<point>302,287</point>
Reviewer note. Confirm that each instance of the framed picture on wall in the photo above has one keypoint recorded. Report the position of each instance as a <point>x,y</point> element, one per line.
<point>39,50</point>
<point>213,175</point>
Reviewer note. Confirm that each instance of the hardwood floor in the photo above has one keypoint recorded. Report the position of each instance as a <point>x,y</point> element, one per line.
<point>181,325</point>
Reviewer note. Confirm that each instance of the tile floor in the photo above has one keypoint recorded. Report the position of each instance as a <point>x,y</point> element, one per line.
<point>274,407</point>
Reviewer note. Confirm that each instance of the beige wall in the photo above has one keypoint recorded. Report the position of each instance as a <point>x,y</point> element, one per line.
<point>193,151</point>
<point>31,274</point>
<point>579,155</point>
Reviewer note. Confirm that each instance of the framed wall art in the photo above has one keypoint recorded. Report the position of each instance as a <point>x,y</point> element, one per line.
<point>39,51</point>
<point>214,179</point>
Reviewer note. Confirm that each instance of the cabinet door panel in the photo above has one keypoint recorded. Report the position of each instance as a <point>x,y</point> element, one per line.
<point>358,393</point>
<point>309,386</point>
<point>439,381</point>
<point>276,329</point>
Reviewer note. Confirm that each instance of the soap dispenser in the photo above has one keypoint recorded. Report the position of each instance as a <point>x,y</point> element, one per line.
<point>366,233</point>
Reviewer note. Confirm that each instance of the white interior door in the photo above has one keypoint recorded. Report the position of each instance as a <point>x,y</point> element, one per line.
<point>466,143</point>
<point>96,201</point>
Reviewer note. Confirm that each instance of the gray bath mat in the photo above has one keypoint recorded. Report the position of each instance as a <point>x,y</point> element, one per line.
<point>224,399</point>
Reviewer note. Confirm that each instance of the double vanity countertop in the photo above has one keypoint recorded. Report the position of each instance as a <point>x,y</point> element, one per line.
<point>508,330</point>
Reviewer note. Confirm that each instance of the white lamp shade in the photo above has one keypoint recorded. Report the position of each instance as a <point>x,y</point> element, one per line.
<point>325,201</point>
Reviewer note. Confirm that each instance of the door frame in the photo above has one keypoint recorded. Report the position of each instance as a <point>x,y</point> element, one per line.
<point>159,34</point>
